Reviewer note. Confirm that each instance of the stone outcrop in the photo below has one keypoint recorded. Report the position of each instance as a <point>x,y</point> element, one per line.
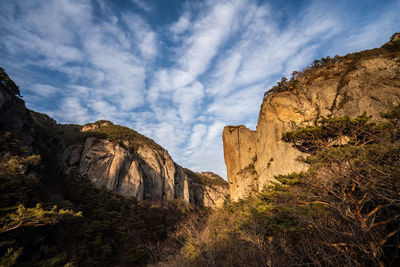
<point>208,196</point>
<point>95,125</point>
<point>210,191</point>
<point>145,174</point>
<point>368,81</point>
<point>395,37</point>
<point>144,171</point>
<point>240,155</point>
<point>135,167</point>
<point>14,116</point>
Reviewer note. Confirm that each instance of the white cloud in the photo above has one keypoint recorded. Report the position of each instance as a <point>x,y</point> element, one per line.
<point>188,100</point>
<point>146,39</point>
<point>239,106</point>
<point>180,78</point>
<point>44,90</point>
<point>143,5</point>
<point>72,111</point>
<point>208,35</point>
<point>196,138</point>
<point>224,75</point>
<point>208,155</point>
<point>182,25</point>
<point>179,83</point>
<point>369,33</point>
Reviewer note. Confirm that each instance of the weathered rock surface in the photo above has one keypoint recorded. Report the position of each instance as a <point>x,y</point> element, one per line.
<point>209,193</point>
<point>208,196</point>
<point>207,189</point>
<point>240,154</point>
<point>136,167</point>
<point>95,125</point>
<point>367,82</point>
<point>146,174</point>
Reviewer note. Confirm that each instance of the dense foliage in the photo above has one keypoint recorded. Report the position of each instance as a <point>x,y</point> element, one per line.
<point>344,211</point>
<point>91,227</point>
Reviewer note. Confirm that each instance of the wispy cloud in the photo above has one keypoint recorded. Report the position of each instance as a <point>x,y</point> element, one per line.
<point>208,34</point>
<point>143,5</point>
<point>44,90</point>
<point>183,76</point>
<point>181,26</point>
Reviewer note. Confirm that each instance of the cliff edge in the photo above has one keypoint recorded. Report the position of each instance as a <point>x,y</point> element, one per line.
<point>367,81</point>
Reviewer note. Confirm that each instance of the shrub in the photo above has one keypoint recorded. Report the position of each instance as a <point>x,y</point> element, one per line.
<point>344,211</point>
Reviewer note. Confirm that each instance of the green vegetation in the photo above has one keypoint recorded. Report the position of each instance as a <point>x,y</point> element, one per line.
<point>33,217</point>
<point>92,227</point>
<point>334,132</point>
<point>344,211</point>
<point>323,67</point>
<point>47,130</point>
<point>119,134</point>
<point>207,178</point>
<point>284,85</point>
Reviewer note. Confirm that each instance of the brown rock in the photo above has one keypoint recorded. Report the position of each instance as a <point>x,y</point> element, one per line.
<point>95,125</point>
<point>350,86</point>
<point>147,174</point>
<point>240,155</point>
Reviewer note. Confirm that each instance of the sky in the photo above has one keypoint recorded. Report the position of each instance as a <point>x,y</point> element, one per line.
<point>175,71</point>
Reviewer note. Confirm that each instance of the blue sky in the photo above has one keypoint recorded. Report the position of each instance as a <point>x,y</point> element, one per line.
<point>176,71</point>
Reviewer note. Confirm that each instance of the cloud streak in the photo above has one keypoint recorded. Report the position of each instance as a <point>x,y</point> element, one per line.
<point>176,73</point>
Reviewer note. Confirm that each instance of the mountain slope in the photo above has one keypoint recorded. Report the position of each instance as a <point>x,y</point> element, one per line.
<point>69,193</point>
<point>367,81</point>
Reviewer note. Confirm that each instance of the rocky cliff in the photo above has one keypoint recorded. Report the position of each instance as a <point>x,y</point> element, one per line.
<point>13,114</point>
<point>240,155</point>
<point>145,173</point>
<point>111,156</point>
<point>132,165</point>
<point>367,81</point>
<point>207,189</point>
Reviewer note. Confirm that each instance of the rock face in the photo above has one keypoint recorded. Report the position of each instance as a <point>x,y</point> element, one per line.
<point>147,174</point>
<point>95,125</point>
<point>210,192</point>
<point>14,116</point>
<point>208,196</point>
<point>135,167</point>
<point>368,81</point>
<point>240,154</point>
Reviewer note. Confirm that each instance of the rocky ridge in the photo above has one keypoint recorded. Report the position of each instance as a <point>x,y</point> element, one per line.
<point>133,165</point>
<point>367,81</point>
<point>111,156</point>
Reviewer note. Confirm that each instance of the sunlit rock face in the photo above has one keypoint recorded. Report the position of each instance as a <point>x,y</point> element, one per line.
<point>365,82</point>
<point>145,174</point>
<point>95,125</point>
<point>240,154</point>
